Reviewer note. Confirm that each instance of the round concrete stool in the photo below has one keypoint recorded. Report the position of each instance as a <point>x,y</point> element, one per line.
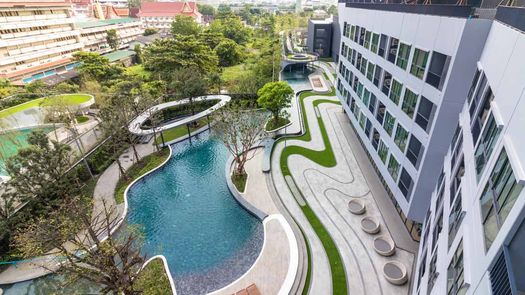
<point>395,273</point>
<point>384,246</point>
<point>356,207</point>
<point>370,225</point>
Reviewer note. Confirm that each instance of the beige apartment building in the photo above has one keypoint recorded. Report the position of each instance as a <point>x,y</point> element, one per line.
<point>93,33</point>
<point>37,39</point>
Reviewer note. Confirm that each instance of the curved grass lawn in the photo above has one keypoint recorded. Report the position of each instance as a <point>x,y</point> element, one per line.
<point>68,99</point>
<point>324,158</point>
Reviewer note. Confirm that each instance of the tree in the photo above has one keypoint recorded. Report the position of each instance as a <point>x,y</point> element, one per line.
<point>206,9</point>
<point>215,81</point>
<point>185,25</point>
<point>188,83</point>
<point>134,3</point>
<point>150,31</point>
<point>228,52</point>
<point>223,11</point>
<point>238,130</point>
<point>112,39</point>
<point>66,87</point>
<point>111,262</point>
<point>275,96</point>
<point>93,65</point>
<point>165,55</point>
<point>332,10</point>
<point>138,53</point>
<point>212,39</point>
<point>37,87</point>
<point>231,27</point>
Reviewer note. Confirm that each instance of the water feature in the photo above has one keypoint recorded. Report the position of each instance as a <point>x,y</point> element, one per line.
<point>297,76</point>
<point>188,214</point>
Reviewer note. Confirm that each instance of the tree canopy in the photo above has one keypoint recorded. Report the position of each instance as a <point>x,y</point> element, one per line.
<point>95,66</point>
<point>206,9</point>
<point>275,96</point>
<point>228,52</point>
<point>185,25</point>
<point>112,39</point>
<point>232,28</point>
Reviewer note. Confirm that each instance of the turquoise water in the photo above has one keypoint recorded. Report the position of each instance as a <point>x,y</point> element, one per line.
<point>188,214</point>
<point>297,77</point>
<point>11,141</point>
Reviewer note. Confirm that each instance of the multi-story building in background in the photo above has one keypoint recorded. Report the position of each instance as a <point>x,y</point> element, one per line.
<point>93,33</point>
<point>159,15</point>
<point>474,235</point>
<point>404,72</point>
<point>37,39</point>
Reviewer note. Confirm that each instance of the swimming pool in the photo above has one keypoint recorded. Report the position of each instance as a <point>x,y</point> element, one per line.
<point>188,214</point>
<point>11,141</point>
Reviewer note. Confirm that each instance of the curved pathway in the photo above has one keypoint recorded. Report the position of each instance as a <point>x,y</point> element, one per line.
<point>134,126</point>
<point>327,191</point>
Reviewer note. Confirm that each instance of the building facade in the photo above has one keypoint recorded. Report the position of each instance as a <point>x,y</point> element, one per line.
<point>403,76</point>
<point>37,39</point>
<point>320,36</point>
<point>160,15</point>
<point>473,237</point>
<point>93,33</point>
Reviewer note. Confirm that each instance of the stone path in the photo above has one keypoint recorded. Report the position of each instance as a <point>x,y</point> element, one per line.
<point>327,191</point>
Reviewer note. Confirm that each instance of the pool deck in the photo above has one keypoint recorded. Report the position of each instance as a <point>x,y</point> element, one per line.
<point>327,191</point>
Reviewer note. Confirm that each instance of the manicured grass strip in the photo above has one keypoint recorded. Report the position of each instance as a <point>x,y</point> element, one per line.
<point>153,280</point>
<point>143,166</point>
<point>309,269</point>
<point>180,131</point>
<point>82,119</point>
<point>72,99</point>
<point>272,124</point>
<point>325,158</point>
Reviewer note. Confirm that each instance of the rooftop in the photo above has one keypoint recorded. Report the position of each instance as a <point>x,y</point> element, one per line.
<point>118,55</point>
<point>106,22</point>
<point>167,8</point>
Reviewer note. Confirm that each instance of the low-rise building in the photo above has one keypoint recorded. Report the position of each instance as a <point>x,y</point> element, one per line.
<point>93,33</point>
<point>160,15</point>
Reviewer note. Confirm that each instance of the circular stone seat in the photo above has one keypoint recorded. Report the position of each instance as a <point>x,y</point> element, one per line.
<point>395,273</point>
<point>356,207</point>
<point>384,246</point>
<point>370,225</point>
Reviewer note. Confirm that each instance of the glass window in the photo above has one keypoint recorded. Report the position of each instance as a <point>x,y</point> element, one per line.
<point>375,43</point>
<point>375,139</point>
<point>455,276</point>
<point>368,36</point>
<point>383,40</point>
<point>393,167</point>
<point>402,56</point>
<point>454,220</point>
<point>389,123</point>
<point>425,113</point>
<point>419,63</point>
<point>382,151</point>
<point>377,75</point>
<point>437,71</point>
<point>415,149</point>
<point>486,145</point>
<point>387,80</point>
<point>405,183</point>
<point>352,32</point>
<point>362,120</point>
<point>364,63</point>
<point>401,137</point>
<point>368,127</point>
<point>498,197</point>
<point>366,96</point>
<point>358,61</point>
<point>362,36</point>
<point>357,34</point>
<point>370,71</point>
<point>372,105</point>
<point>409,102</point>
<point>395,91</point>
<point>380,112</point>
<point>392,49</point>
<point>432,273</point>
<point>479,112</point>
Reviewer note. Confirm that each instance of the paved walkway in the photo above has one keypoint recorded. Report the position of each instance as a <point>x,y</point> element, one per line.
<point>327,191</point>
<point>104,191</point>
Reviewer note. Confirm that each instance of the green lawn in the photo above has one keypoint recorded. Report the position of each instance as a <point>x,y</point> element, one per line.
<point>82,119</point>
<point>153,280</point>
<point>233,73</point>
<point>145,165</point>
<point>324,158</point>
<point>273,124</point>
<point>180,131</point>
<point>70,99</point>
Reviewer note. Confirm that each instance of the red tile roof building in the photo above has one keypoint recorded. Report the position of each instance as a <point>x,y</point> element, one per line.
<point>159,15</point>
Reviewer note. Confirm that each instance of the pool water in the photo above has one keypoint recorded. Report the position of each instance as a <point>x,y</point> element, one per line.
<point>11,141</point>
<point>297,76</point>
<point>188,214</point>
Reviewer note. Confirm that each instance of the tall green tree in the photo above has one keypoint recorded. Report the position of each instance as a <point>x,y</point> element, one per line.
<point>228,52</point>
<point>232,28</point>
<point>275,97</point>
<point>138,54</point>
<point>212,39</point>
<point>185,25</point>
<point>206,9</point>
<point>165,55</point>
<point>112,39</point>
<point>93,65</point>
<point>188,83</point>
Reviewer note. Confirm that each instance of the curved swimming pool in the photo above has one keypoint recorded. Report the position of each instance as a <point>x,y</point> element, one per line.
<point>188,214</point>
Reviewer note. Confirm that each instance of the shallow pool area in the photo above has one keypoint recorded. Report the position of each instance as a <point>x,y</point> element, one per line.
<point>297,76</point>
<point>11,141</point>
<point>188,214</point>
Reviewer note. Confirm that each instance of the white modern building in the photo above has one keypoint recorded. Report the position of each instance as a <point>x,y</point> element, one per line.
<point>403,75</point>
<point>473,239</point>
